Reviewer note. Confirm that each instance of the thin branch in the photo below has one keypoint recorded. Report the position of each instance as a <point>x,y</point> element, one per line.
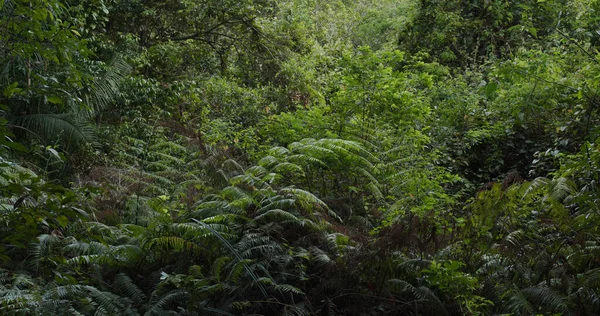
<point>578,46</point>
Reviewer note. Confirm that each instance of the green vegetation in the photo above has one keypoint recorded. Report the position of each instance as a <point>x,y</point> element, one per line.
<point>299,157</point>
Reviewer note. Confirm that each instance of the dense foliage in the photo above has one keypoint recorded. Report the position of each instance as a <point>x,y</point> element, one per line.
<point>299,157</point>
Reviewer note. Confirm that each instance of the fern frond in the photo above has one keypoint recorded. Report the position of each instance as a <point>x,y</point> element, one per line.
<point>412,266</point>
<point>268,162</point>
<point>546,298</point>
<point>279,151</point>
<point>223,219</point>
<point>167,158</point>
<point>233,166</point>
<point>109,302</point>
<point>175,296</point>
<point>277,202</point>
<point>234,253</point>
<point>399,286</point>
<point>68,126</point>
<point>126,286</point>
<point>236,270</point>
<point>217,205</point>
<point>217,267</point>
<point>175,243</point>
<point>247,179</point>
<point>308,199</point>
<point>307,160</point>
<point>561,188</point>
<point>256,171</point>
<point>277,214</point>
<point>288,167</point>
<point>172,147</point>
<point>239,198</point>
<point>319,256</point>
<point>269,250</point>
<point>286,288</point>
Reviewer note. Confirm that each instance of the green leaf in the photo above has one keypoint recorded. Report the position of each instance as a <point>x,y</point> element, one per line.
<point>533,31</point>
<point>54,99</point>
<point>54,153</point>
<point>13,145</point>
<point>490,88</point>
<point>11,90</point>
<point>62,220</point>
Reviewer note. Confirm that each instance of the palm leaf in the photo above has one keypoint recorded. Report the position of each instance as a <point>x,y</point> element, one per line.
<point>67,126</point>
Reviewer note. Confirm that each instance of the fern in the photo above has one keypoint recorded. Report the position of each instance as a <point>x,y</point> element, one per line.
<point>217,267</point>
<point>320,257</point>
<point>234,253</point>
<point>303,159</point>
<point>286,288</point>
<point>276,202</point>
<point>547,299</point>
<point>288,168</point>
<point>308,199</point>
<point>236,271</point>
<point>71,127</point>
<point>518,303</point>
<point>174,243</point>
<point>278,214</point>
<point>158,305</point>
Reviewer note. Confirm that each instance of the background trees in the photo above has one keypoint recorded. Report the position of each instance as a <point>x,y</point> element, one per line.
<point>299,157</point>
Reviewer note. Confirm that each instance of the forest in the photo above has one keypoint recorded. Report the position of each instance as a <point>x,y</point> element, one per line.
<point>299,157</point>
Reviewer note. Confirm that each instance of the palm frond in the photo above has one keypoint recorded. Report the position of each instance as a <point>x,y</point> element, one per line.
<point>69,127</point>
<point>105,87</point>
